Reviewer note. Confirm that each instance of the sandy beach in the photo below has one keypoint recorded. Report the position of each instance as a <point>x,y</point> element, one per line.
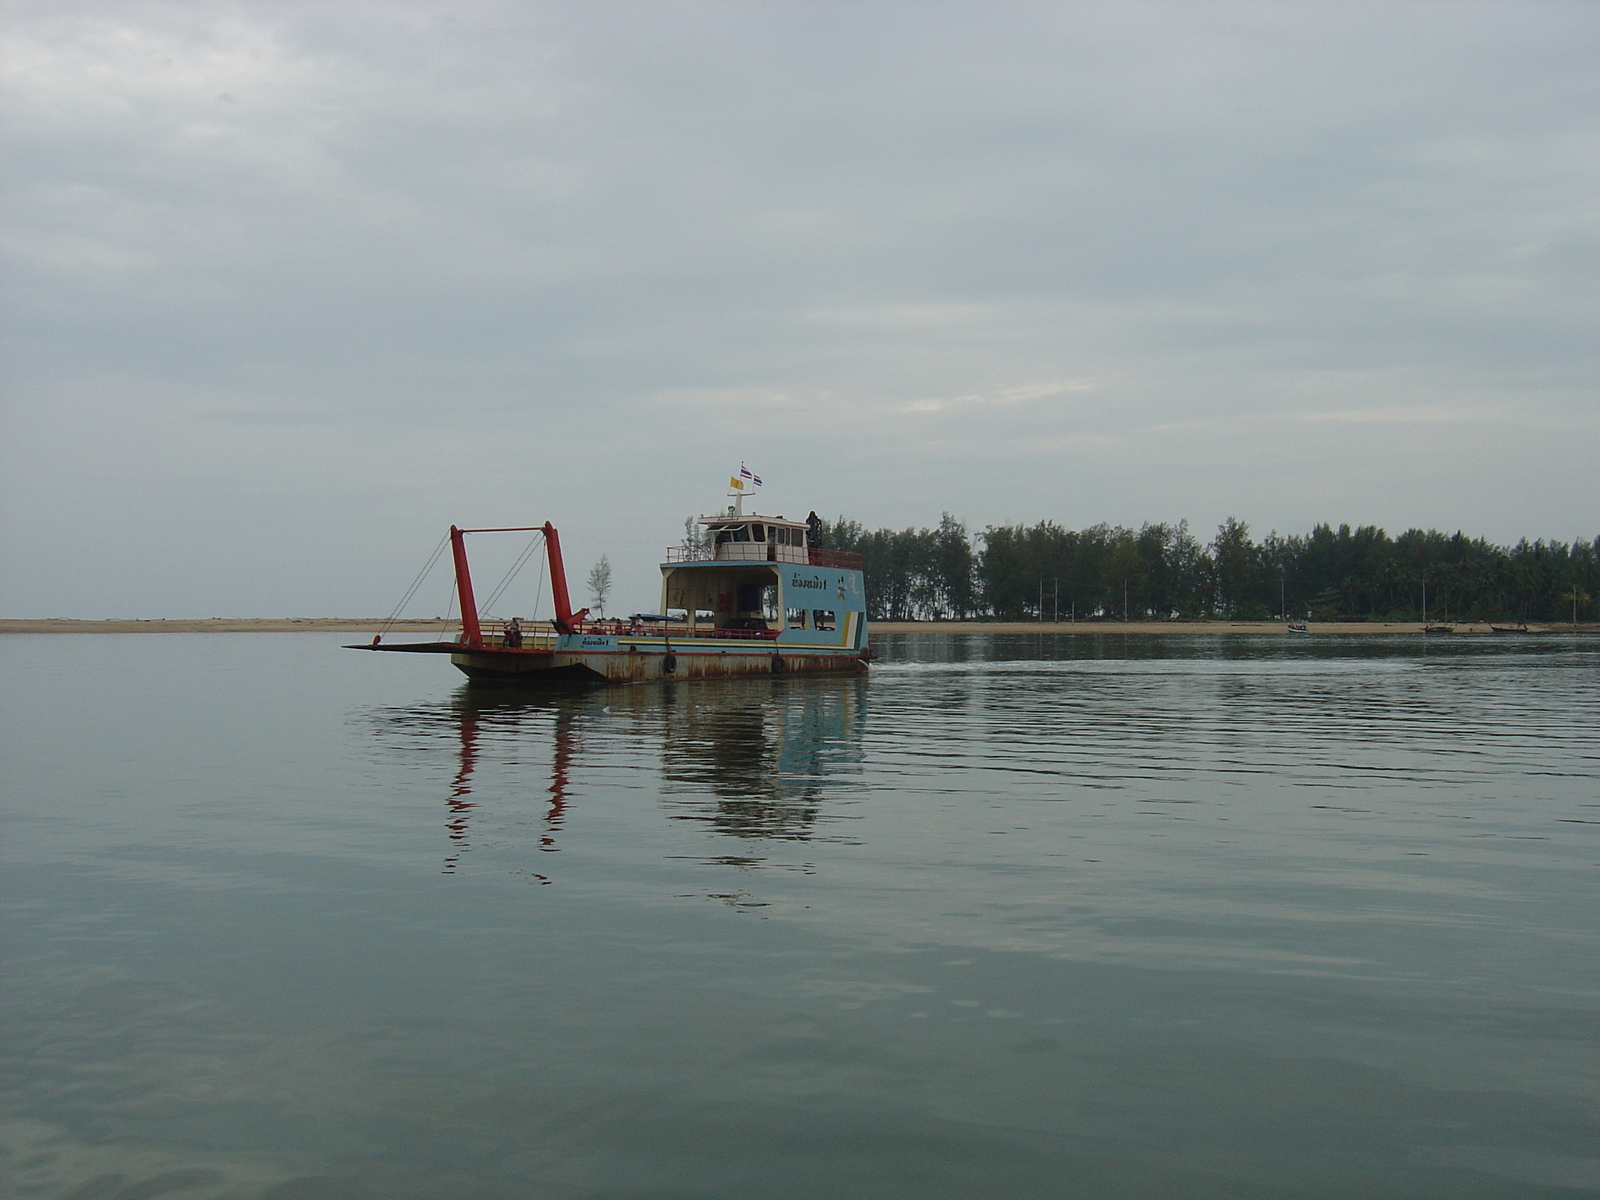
<point>226,625</point>
<point>369,625</point>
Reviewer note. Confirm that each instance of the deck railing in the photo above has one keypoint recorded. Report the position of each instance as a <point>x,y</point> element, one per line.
<point>542,636</point>
<point>673,631</point>
<point>841,560</point>
<point>535,635</point>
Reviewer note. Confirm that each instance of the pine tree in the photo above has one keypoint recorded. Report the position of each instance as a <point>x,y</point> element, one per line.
<point>600,584</point>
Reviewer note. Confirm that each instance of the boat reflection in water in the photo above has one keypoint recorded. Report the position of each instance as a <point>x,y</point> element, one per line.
<point>751,759</point>
<point>756,760</point>
<point>470,719</point>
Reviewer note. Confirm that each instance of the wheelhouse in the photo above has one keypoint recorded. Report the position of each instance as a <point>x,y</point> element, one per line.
<point>756,539</point>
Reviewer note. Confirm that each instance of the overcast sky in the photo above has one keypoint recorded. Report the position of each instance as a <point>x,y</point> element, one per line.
<point>290,288</point>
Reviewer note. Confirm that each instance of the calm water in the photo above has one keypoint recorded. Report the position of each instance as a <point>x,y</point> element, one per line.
<point>1013,917</point>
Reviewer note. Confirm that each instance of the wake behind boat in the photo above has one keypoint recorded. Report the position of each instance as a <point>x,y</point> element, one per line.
<point>755,596</point>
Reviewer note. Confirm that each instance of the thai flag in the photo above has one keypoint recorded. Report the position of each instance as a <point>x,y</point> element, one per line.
<point>744,471</point>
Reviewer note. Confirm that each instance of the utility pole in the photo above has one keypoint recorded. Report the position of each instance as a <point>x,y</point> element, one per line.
<point>1055,612</point>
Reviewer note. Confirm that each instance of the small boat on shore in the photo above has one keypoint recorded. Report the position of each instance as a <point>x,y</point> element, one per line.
<point>1519,628</point>
<point>1438,629</point>
<point>755,596</point>
<point>1297,627</point>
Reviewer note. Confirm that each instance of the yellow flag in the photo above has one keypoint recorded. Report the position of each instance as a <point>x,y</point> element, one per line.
<point>736,483</point>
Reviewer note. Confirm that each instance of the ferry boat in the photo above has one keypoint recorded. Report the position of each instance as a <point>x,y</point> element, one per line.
<point>755,596</point>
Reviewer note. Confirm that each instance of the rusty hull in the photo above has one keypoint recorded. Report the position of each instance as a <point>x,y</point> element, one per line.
<point>640,665</point>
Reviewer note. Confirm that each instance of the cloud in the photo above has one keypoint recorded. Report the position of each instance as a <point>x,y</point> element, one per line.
<point>1427,414</point>
<point>1000,397</point>
<point>1184,259</point>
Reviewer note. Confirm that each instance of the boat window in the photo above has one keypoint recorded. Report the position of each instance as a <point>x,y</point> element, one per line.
<point>723,536</point>
<point>822,618</point>
<point>741,533</point>
<point>759,532</point>
<point>797,618</point>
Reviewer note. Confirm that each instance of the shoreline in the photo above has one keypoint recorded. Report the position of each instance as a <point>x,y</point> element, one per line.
<point>936,628</point>
<point>1204,628</point>
<point>224,625</point>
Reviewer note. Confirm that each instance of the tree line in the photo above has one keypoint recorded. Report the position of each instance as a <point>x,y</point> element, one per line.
<point>1163,571</point>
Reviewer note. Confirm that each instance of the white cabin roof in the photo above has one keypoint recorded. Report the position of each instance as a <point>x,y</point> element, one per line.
<point>729,519</point>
